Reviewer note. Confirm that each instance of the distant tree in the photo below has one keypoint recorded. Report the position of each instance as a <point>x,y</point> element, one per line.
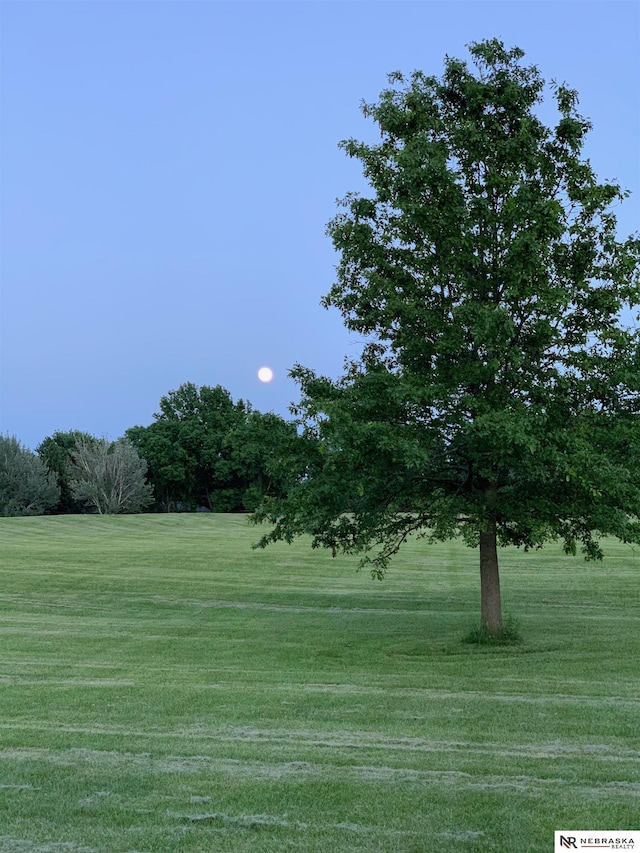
<point>498,396</point>
<point>187,447</point>
<point>262,449</point>
<point>170,468</point>
<point>56,453</point>
<point>205,450</point>
<point>26,486</point>
<point>109,476</point>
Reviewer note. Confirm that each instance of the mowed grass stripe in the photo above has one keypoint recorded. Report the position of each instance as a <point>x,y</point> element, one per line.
<point>113,763</point>
<point>164,687</point>
<point>350,739</point>
<point>345,690</point>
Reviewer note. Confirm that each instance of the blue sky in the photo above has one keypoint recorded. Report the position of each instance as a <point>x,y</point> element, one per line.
<point>168,170</point>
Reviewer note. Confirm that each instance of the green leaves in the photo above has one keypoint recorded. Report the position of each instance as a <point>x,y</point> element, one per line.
<point>205,450</point>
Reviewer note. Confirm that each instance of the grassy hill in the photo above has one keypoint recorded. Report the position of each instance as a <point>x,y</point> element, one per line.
<point>166,688</point>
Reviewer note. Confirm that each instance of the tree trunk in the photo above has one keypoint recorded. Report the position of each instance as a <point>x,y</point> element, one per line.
<point>491,606</point>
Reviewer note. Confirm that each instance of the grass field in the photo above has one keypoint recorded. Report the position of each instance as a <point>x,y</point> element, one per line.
<point>165,688</point>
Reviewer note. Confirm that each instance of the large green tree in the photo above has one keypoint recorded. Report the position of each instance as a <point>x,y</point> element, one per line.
<point>498,393</point>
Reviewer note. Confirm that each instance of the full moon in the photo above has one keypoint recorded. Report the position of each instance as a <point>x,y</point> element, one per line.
<point>265,374</point>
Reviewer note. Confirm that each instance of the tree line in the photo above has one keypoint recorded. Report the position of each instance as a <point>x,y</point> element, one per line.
<point>203,451</point>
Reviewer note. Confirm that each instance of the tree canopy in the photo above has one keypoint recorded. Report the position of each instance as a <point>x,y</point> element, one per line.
<point>205,450</point>
<point>498,392</point>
